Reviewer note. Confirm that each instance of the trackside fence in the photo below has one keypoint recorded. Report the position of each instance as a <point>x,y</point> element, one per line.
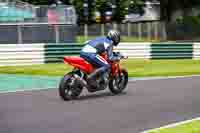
<point>28,54</point>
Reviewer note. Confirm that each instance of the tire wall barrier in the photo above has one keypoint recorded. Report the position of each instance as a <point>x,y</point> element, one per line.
<point>28,54</point>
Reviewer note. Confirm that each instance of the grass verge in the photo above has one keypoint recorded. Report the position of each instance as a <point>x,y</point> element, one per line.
<point>191,127</point>
<point>136,68</point>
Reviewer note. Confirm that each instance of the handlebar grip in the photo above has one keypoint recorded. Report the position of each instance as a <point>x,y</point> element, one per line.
<point>125,57</point>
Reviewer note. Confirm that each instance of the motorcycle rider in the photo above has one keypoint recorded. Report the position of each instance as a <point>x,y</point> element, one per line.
<point>92,51</point>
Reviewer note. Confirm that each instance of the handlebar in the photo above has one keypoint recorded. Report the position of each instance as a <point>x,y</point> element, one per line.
<point>121,56</point>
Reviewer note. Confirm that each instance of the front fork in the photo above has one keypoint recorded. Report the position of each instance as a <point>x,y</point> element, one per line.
<point>116,71</point>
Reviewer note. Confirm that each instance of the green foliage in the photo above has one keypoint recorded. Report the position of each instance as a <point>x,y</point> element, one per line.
<point>136,6</point>
<point>120,11</point>
<point>194,20</point>
<point>102,6</point>
<point>167,7</point>
<point>79,9</point>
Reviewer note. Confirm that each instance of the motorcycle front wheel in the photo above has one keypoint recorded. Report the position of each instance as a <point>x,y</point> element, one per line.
<point>68,89</point>
<point>118,84</point>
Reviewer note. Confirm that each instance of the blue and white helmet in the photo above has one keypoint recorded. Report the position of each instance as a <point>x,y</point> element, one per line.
<point>114,35</point>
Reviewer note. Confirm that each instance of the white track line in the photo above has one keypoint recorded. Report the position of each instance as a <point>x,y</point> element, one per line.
<point>172,125</point>
<point>25,90</point>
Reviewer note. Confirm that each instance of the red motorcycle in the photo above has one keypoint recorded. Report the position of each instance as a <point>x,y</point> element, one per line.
<point>75,81</point>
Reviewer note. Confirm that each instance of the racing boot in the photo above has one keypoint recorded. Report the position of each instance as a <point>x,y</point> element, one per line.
<point>92,77</point>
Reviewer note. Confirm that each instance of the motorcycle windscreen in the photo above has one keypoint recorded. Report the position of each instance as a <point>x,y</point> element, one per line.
<point>79,63</point>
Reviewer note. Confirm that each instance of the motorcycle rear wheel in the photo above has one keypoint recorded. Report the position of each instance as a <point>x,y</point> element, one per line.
<point>118,84</point>
<point>68,89</point>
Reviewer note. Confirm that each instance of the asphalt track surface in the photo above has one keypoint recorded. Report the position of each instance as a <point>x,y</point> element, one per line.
<point>145,104</point>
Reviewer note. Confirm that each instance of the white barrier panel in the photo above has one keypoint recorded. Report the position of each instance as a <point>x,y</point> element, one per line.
<point>196,51</point>
<point>135,50</point>
<point>21,54</point>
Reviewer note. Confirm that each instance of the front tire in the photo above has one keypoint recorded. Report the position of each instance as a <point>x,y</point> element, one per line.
<point>118,84</point>
<point>68,89</point>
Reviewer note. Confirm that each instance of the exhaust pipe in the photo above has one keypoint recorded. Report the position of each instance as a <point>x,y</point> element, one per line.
<point>80,81</point>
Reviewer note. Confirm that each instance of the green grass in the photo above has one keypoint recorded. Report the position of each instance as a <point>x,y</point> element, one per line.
<point>143,68</point>
<point>136,68</point>
<point>192,127</point>
<point>81,39</point>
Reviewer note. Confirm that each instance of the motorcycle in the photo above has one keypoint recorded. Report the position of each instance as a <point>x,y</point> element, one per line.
<point>74,82</point>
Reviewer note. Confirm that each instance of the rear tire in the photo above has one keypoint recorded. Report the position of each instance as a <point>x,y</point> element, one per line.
<point>68,89</point>
<point>118,84</point>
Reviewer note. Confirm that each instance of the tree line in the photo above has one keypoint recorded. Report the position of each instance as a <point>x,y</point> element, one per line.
<point>168,7</point>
